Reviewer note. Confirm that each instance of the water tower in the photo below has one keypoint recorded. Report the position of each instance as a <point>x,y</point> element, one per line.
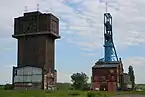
<point>36,33</point>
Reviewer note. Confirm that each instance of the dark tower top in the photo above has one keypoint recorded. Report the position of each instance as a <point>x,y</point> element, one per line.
<point>36,33</point>
<point>34,23</point>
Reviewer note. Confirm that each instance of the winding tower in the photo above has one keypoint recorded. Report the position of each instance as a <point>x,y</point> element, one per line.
<point>110,52</point>
<point>36,33</point>
<point>107,71</point>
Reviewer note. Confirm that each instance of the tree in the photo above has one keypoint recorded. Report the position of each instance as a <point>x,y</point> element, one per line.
<point>132,76</point>
<point>80,81</point>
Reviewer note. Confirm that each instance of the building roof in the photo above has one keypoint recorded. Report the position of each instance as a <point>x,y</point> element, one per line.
<point>106,64</point>
<point>34,13</point>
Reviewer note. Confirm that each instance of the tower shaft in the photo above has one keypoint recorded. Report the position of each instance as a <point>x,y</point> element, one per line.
<point>36,33</point>
<point>110,52</point>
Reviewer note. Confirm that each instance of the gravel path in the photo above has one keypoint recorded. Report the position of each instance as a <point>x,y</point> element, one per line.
<point>131,95</point>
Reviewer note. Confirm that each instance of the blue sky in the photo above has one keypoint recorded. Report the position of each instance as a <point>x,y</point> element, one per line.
<point>81,30</point>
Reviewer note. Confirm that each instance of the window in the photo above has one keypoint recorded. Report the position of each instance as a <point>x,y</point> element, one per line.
<point>102,78</point>
<point>112,77</point>
<point>15,71</point>
<point>54,26</point>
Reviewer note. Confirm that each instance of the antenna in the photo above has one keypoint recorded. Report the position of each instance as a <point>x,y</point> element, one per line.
<point>106,6</point>
<point>26,8</point>
<point>37,7</point>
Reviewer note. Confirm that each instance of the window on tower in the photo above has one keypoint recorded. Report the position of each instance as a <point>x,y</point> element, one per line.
<point>54,26</point>
<point>15,72</point>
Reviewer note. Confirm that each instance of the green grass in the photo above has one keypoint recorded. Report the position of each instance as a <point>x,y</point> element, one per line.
<point>32,93</point>
<point>20,93</point>
<point>41,93</point>
<point>64,86</point>
<point>132,92</point>
<point>58,93</point>
<point>62,92</point>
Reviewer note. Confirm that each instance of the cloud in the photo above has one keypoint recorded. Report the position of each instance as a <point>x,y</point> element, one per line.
<point>63,77</point>
<point>5,74</point>
<point>138,65</point>
<point>136,61</point>
<point>84,20</point>
<point>10,10</point>
<point>81,23</point>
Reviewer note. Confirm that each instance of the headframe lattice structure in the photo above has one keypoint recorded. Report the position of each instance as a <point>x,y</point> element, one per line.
<point>110,52</point>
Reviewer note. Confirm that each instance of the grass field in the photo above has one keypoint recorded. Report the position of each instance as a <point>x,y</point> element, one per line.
<point>41,93</point>
<point>62,92</point>
<point>58,93</point>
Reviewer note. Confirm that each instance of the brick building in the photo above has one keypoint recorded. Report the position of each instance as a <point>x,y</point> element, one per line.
<point>107,76</point>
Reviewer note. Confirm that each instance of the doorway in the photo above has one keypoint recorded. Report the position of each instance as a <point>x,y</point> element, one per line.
<point>103,87</point>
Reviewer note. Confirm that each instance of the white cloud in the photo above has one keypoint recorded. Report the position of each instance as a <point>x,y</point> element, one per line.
<point>138,65</point>
<point>87,22</point>
<point>5,74</point>
<point>83,23</point>
<point>10,10</point>
<point>84,19</point>
<point>63,77</point>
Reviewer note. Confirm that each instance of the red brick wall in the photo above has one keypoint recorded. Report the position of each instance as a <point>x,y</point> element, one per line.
<point>110,77</point>
<point>112,86</point>
<point>95,85</point>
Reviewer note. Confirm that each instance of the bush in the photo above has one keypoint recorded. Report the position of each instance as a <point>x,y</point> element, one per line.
<point>8,87</point>
<point>71,88</point>
<point>99,94</point>
<point>91,94</point>
<point>1,87</point>
<point>96,94</point>
<point>74,93</point>
<point>104,95</point>
<point>48,91</point>
<point>86,89</point>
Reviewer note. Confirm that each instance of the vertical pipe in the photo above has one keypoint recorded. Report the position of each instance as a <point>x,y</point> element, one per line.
<point>13,75</point>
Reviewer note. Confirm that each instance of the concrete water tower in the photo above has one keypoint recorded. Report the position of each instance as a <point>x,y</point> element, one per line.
<point>36,33</point>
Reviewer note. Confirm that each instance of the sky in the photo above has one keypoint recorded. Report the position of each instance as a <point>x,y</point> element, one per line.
<point>81,30</point>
